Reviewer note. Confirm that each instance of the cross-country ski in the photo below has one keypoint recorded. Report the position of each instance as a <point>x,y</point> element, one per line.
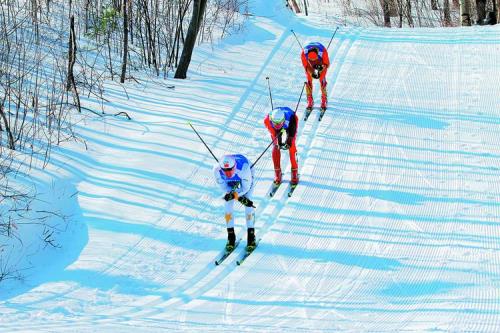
<point>307,113</point>
<point>274,189</point>
<point>291,189</point>
<point>227,252</point>
<point>247,253</point>
<point>321,114</point>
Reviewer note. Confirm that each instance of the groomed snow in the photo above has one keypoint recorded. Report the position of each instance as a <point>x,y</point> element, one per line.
<point>395,225</point>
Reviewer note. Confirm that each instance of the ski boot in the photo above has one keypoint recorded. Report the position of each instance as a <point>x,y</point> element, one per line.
<point>295,177</point>
<point>277,177</point>
<point>324,102</point>
<point>310,102</point>
<point>231,240</point>
<point>251,245</point>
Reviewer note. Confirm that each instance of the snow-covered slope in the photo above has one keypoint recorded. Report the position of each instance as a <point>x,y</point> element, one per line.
<point>394,226</point>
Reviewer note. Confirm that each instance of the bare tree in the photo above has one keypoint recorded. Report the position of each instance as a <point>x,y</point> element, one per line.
<point>194,26</point>
<point>294,4</point>
<point>125,41</point>
<point>6,125</point>
<point>498,11</point>
<point>386,13</point>
<point>465,13</point>
<point>481,10</point>
<point>71,84</point>
<point>446,13</point>
<point>494,15</point>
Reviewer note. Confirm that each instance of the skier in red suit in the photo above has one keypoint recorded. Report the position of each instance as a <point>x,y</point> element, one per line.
<point>282,124</point>
<point>316,62</point>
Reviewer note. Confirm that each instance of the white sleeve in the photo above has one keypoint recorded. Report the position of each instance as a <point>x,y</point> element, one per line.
<point>220,181</point>
<point>246,179</point>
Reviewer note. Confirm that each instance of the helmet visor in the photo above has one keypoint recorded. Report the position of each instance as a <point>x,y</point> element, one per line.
<point>278,124</point>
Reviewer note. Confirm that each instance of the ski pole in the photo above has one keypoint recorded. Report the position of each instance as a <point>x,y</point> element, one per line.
<point>258,158</point>
<point>270,96</point>
<point>332,38</point>
<point>203,141</point>
<point>297,107</point>
<point>293,32</point>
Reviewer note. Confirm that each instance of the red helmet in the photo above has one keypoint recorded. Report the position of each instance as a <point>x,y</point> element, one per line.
<point>228,165</point>
<point>312,55</point>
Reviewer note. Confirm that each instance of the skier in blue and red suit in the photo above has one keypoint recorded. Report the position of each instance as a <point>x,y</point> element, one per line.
<point>315,60</point>
<point>282,123</point>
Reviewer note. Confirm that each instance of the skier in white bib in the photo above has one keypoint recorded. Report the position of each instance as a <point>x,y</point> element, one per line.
<point>235,177</point>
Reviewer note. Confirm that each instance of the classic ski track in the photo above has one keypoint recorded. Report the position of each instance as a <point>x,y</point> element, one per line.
<point>183,295</point>
<point>268,219</point>
<point>189,291</point>
<point>179,294</point>
<point>313,129</point>
<point>271,210</point>
<point>145,240</point>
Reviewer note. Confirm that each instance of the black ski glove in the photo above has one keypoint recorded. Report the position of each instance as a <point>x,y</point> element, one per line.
<point>315,74</point>
<point>245,201</point>
<point>319,68</point>
<point>230,196</point>
<point>235,184</point>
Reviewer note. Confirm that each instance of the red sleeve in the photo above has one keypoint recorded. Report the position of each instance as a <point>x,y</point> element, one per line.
<point>303,58</point>
<point>326,59</point>
<point>305,63</point>
<point>269,127</point>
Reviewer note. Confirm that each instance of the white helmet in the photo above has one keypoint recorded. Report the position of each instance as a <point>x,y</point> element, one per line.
<point>277,117</point>
<point>228,165</point>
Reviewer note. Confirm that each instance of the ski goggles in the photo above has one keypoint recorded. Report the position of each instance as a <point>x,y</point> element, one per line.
<point>278,125</point>
<point>229,172</point>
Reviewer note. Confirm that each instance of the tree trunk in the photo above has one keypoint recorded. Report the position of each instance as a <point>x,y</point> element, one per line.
<point>71,84</point>
<point>400,9</point>
<point>131,22</point>
<point>498,11</point>
<point>71,54</point>
<point>393,8</point>
<point>6,124</point>
<point>296,7</point>
<point>87,4</point>
<point>34,14</point>
<point>446,13</point>
<point>387,14</point>
<point>465,13</point>
<point>187,50</point>
<point>409,16</point>
<point>481,10</point>
<point>125,41</point>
